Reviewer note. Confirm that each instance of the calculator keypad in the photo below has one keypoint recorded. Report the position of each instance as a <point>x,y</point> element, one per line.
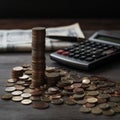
<point>88,51</point>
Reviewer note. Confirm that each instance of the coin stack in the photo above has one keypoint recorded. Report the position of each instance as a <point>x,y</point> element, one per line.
<point>52,78</point>
<point>38,56</point>
<point>17,72</point>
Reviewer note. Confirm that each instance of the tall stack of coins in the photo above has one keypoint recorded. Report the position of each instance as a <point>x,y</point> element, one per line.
<point>38,56</point>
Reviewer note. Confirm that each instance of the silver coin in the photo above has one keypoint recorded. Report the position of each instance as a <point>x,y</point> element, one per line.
<point>10,89</point>
<point>92,100</point>
<point>17,98</point>
<point>26,95</point>
<point>26,101</point>
<point>85,80</point>
<point>16,93</point>
<point>11,80</point>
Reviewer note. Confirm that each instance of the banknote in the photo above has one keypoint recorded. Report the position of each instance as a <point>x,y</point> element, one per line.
<point>20,40</point>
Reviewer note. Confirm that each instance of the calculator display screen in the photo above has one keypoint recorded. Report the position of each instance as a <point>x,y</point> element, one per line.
<point>107,38</point>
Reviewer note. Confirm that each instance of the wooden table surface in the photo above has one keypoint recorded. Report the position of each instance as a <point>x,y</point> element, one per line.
<point>15,111</point>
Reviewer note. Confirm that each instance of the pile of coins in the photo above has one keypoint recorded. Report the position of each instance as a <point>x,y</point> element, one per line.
<point>94,94</point>
<point>38,57</point>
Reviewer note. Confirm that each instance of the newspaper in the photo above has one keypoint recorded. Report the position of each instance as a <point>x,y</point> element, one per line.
<point>20,40</point>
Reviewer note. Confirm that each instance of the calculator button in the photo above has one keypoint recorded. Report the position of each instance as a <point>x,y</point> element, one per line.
<point>60,51</point>
<point>89,59</point>
<point>72,50</point>
<point>76,56</point>
<point>82,57</point>
<point>71,54</point>
<point>65,53</point>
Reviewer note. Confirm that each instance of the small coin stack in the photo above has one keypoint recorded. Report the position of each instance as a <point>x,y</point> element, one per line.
<point>38,57</point>
<point>17,72</point>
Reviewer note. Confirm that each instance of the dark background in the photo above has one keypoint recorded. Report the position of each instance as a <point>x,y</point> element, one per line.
<point>59,9</point>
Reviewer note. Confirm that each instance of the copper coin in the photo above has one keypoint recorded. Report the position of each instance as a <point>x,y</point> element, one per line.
<point>57,101</point>
<point>26,65</point>
<point>96,110</point>
<point>55,96</point>
<point>19,87</point>
<point>104,106</point>
<point>108,112</point>
<point>45,98</point>
<point>28,72</point>
<point>78,90</point>
<point>76,85</point>
<point>40,105</point>
<point>20,82</point>
<point>85,110</point>
<point>28,90</point>
<point>35,98</point>
<point>36,92</point>
<point>80,102</point>
<point>6,96</point>
<point>70,101</point>
<point>89,105</point>
<point>68,88</point>
<point>92,93</point>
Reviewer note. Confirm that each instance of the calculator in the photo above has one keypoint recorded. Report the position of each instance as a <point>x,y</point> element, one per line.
<point>99,48</point>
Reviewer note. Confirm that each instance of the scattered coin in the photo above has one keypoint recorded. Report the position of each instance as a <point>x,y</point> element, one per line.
<point>92,100</point>
<point>45,98</point>
<point>85,80</point>
<point>108,112</point>
<point>28,90</point>
<point>40,105</point>
<point>16,93</point>
<point>35,98</point>
<point>57,101</point>
<point>17,98</point>
<point>10,89</point>
<point>96,110</point>
<point>11,80</point>
<point>116,109</point>
<point>92,93</point>
<point>10,84</point>
<point>24,77</point>
<point>26,101</point>
<point>85,110</point>
<point>20,82</point>
<point>50,69</point>
<point>80,102</point>
<point>6,96</point>
<point>70,101</point>
<point>104,106</point>
<point>26,95</point>
<point>89,105</point>
<point>19,87</point>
